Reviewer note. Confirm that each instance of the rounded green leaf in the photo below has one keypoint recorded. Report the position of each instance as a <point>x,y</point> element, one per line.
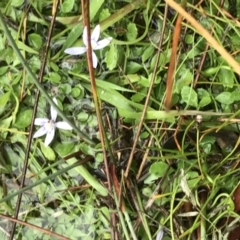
<point>23,119</point>
<point>158,169</point>
<point>63,148</point>
<point>76,92</point>
<point>47,152</point>
<point>54,77</point>
<point>204,101</point>
<point>226,77</point>
<point>132,31</point>
<point>189,96</point>
<point>35,41</point>
<point>67,6</point>
<point>225,98</point>
<point>105,13</point>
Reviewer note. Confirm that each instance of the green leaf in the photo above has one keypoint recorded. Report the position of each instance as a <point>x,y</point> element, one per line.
<point>23,119</point>
<point>225,98</point>
<point>236,95</point>
<point>189,96</point>
<point>185,78</point>
<point>82,117</point>
<point>144,135</point>
<point>54,77</point>
<point>147,53</point>
<point>89,178</point>
<point>158,169</point>
<point>189,39</point>
<point>226,77</point>
<point>192,179</point>
<point>210,72</point>
<point>204,96</point>
<point>63,149</point>
<point>113,97</point>
<point>112,57</point>
<point>144,82</point>
<point>35,40</point>
<point>3,101</point>
<point>76,92</point>
<point>19,138</point>
<point>5,124</point>
<point>202,93</point>
<point>105,13</point>
<point>65,88</point>
<point>204,101</point>
<point>132,31</point>
<point>138,97</point>
<point>17,3</point>
<point>75,33</point>
<point>67,6</point>
<point>24,47</point>
<point>133,67</point>
<point>3,70</point>
<point>47,152</point>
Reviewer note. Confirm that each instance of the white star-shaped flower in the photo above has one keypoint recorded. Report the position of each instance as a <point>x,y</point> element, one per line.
<point>48,126</point>
<point>96,45</point>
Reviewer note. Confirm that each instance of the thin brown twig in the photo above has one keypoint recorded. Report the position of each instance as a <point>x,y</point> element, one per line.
<point>86,20</point>
<point>172,64</point>
<point>103,138</point>
<point>32,123</point>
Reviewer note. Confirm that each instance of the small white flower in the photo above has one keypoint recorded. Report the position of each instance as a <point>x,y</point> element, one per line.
<point>48,126</point>
<point>96,45</point>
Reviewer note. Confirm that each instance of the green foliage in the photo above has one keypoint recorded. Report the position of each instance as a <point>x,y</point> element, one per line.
<point>78,203</point>
<point>16,3</point>
<point>23,119</point>
<point>35,41</point>
<point>47,152</point>
<point>3,101</point>
<point>225,98</point>
<point>67,6</point>
<point>104,14</point>
<point>189,96</point>
<point>132,31</point>
<point>112,57</point>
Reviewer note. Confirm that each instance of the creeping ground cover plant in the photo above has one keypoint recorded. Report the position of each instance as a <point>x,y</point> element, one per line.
<point>96,45</point>
<point>153,147</point>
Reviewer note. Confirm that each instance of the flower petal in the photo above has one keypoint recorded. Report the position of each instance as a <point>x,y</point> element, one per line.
<point>94,59</point>
<point>49,137</point>
<point>54,111</point>
<point>75,50</point>
<point>40,132</point>
<point>84,36</point>
<point>40,121</point>
<point>103,43</point>
<point>63,125</point>
<point>95,33</point>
